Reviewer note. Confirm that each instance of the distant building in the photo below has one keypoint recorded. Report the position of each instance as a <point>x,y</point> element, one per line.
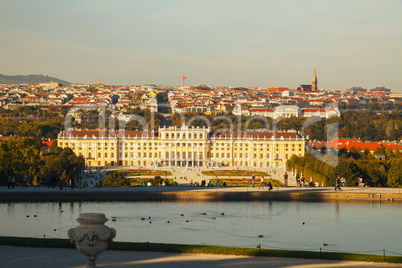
<point>51,85</point>
<point>314,82</point>
<point>286,111</point>
<point>312,87</point>
<point>357,89</point>
<point>383,89</point>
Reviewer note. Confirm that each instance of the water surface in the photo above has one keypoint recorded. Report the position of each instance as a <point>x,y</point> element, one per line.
<point>346,227</point>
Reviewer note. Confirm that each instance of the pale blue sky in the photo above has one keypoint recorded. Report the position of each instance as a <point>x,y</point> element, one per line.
<point>219,42</point>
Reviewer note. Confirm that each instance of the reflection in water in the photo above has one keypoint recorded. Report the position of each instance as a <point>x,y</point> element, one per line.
<point>337,211</point>
<point>286,225</point>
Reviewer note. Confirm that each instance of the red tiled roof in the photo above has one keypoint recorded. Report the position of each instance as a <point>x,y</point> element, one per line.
<point>47,144</point>
<point>260,110</point>
<point>392,146</point>
<point>363,145</point>
<point>340,143</point>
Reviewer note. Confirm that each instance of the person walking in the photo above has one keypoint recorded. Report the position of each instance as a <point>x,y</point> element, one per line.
<point>72,182</point>
<point>285,179</point>
<point>9,179</point>
<point>13,182</point>
<point>262,182</point>
<point>252,181</point>
<point>343,181</point>
<point>337,184</point>
<point>25,180</point>
<point>61,183</point>
<point>269,186</point>
<point>79,182</point>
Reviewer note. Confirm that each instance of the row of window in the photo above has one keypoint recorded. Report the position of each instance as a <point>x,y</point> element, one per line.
<point>184,136</point>
<point>139,144</point>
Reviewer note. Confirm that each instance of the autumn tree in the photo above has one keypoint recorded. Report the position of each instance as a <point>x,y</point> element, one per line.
<point>116,179</point>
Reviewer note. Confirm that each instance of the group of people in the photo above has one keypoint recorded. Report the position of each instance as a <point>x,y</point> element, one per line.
<point>262,183</point>
<point>11,182</point>
<point>300,182</point>
<point>338,183</point>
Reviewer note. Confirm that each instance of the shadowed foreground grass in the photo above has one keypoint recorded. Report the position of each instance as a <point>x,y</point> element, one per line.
<point>199,249</point>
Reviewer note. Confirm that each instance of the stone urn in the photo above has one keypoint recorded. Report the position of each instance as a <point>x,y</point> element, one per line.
<point>91,237</point>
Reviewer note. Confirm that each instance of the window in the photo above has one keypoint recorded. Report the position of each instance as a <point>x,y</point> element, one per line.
<point>112,155</point>
<point>105,155</point>
<point>99,155</point>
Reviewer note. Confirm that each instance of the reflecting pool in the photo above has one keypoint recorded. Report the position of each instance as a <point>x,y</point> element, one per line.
<point>345,227</point>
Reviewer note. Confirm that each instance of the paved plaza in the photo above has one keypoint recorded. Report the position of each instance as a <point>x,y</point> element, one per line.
<point>60,258</point>
<point>185,175</point>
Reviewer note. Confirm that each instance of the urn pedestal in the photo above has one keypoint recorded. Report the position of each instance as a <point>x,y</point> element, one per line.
<point>91,237</point>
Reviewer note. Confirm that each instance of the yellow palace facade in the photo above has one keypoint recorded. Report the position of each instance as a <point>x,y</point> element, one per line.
<point>185,146</point>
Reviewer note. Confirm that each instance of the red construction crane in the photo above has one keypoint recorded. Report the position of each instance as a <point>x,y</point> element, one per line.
<point>184,78</point>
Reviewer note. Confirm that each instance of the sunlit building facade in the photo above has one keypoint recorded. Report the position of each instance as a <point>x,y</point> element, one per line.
<point>185,146</point>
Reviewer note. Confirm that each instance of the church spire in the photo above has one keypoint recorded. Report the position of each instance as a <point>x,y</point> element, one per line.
<point>314,82</point>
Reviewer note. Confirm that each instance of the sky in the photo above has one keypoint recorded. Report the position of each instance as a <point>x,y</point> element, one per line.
<point>213,42</point>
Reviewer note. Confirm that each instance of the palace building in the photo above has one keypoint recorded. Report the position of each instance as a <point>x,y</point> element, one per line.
<point>185,146</point>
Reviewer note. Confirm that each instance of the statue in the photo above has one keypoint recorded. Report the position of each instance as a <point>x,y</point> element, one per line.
<point>91,237</point>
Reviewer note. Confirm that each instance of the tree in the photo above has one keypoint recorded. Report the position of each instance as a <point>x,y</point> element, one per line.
<point>65,162</point>
<point>379,150</point>
<point>176,120</point>
<point>116,179</point>
<point>348,170</point>
<point>19,156</point>
<point>388,153</point>
<point>157,180</point>
<point>395,174</point>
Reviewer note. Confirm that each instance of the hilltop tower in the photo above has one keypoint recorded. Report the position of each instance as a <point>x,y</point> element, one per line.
<point>314,82</point>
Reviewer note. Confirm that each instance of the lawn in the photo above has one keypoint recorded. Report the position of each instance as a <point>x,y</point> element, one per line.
<point>234,173</point>
<point>246,182</point>
<point>141,172</point>
<point>139,181</point>
<point>204,249</point>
